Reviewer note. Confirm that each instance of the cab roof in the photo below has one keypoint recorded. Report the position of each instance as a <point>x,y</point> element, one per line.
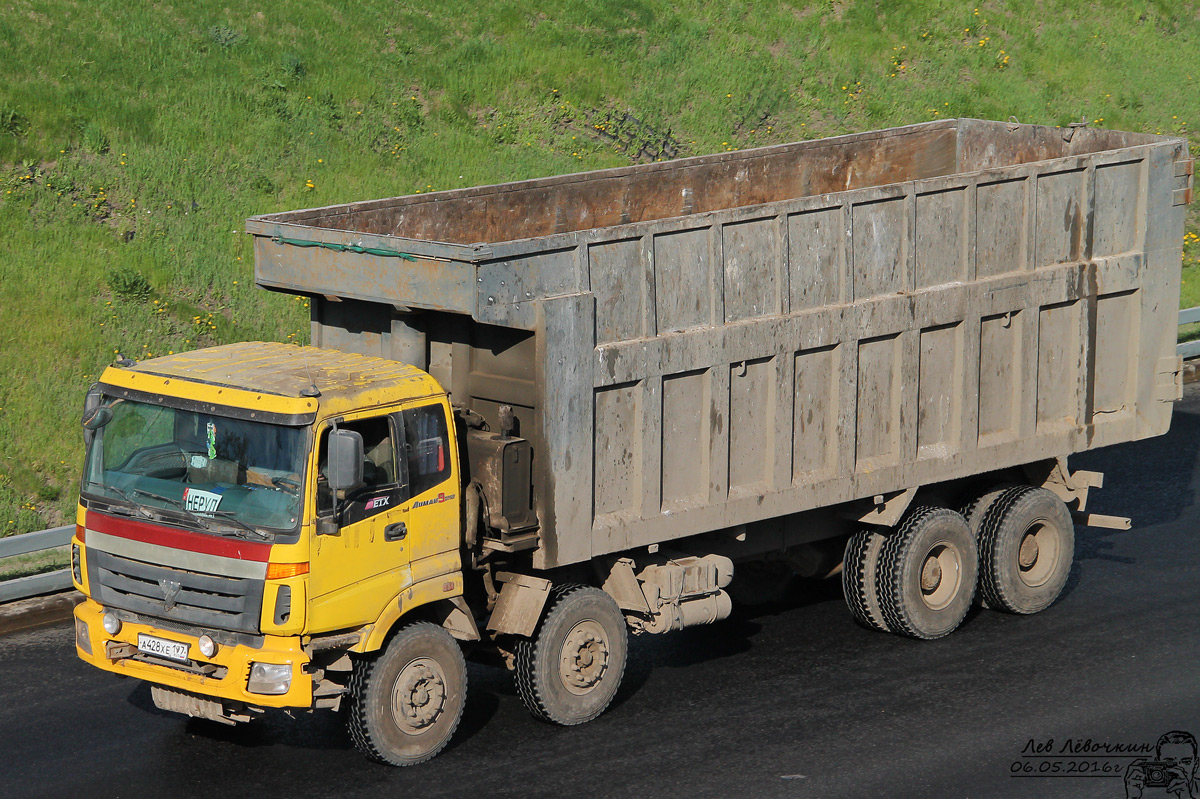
<point>276,378</point>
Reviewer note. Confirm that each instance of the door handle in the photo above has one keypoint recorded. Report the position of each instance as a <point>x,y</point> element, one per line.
<point>395,532</point>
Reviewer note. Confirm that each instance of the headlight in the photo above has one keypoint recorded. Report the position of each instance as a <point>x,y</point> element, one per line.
<point>112,625</point>
<point>269,678</point>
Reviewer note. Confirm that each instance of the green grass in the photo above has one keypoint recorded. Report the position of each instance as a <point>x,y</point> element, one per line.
<point>135,139</point>
<point>47,560</point>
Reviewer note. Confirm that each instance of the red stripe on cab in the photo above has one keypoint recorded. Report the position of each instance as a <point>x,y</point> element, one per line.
<point>149,533</point>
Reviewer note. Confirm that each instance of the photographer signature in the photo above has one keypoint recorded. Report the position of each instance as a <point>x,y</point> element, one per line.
<point>1173,769</point>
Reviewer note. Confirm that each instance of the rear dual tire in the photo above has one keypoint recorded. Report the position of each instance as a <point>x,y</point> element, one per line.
<point>1026,547</point>
<point>858,579</point>
<point>926,574</point>
<point>918,581</point>
<point>1014,544</point>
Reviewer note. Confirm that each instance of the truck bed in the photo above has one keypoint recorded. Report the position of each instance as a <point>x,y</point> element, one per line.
<point>704,343</point>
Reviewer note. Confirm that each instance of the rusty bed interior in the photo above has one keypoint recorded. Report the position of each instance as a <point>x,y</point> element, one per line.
<point>589,200</point>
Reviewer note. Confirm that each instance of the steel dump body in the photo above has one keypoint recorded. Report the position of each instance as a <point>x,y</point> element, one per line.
<point>715,341</point>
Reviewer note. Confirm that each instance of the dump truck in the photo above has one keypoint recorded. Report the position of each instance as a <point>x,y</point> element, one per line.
<point>541,416</point>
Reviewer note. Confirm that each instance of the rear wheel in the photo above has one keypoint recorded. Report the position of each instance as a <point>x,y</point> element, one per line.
<point>569,671</point>
<point>858,579</point>
<point>975,510</point>
<point>1026,546</point>
<point>406,703</point>
<point>926,574</point>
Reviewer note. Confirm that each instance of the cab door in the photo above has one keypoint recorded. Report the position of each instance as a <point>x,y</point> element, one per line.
<point>358,570</point>
<point>431,511</point>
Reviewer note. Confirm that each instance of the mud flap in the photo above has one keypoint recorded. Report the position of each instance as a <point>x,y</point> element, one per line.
<point>520,604</point>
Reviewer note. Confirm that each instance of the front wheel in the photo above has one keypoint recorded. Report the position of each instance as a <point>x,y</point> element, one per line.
<point>406,702</point>
<point>569,671</point>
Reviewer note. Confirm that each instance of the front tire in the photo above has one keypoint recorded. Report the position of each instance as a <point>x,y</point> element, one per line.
<point>571,668</point>
<point>406,702</point>
<point>1026,547</point>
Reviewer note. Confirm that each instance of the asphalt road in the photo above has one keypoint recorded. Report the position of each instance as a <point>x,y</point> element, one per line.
<point>790,701</point>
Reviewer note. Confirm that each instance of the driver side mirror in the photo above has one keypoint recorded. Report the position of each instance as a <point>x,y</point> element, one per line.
<point>95,415</point>
<point>344,468</point>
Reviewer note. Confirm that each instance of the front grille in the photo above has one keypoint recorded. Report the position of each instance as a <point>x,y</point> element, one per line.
<point>202,600</point>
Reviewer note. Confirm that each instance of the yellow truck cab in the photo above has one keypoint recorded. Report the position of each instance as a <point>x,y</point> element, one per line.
<point>543,415</point>
<point>212,546</point>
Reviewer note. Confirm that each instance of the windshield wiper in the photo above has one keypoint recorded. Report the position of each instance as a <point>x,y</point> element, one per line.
<point>201,520</point>
<point>174,503</point>
<point>133,505</point>
<point>228,514</point>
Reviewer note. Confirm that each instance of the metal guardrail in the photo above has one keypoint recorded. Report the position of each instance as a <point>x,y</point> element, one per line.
<point>36,584</point>
<point>49,582</point>
<point>1188,349</point>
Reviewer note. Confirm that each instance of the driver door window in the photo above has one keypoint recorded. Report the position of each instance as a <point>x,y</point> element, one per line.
<point>381,478</point>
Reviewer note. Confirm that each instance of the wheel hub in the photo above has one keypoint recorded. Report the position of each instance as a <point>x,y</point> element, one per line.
<point>1039,553</point>
<point>941,574</point>
<point>584,657</point>
<point>419,695</point>
<point>931,574</point>
<point>1029,552</point>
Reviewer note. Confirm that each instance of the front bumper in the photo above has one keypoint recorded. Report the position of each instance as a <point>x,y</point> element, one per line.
<point>223,677</point>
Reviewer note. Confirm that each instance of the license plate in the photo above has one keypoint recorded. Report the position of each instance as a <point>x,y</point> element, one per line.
<point>172,650</point>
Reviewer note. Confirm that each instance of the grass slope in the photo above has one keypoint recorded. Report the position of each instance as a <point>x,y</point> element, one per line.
<point>135,138</point>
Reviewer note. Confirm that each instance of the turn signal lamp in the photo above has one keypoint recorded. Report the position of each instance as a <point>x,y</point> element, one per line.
<point>82,639</point>
<point>76,569</point>
<point>278,571</point>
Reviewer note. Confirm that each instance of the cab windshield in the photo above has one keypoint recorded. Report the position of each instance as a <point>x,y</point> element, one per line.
<point>214,473</point>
